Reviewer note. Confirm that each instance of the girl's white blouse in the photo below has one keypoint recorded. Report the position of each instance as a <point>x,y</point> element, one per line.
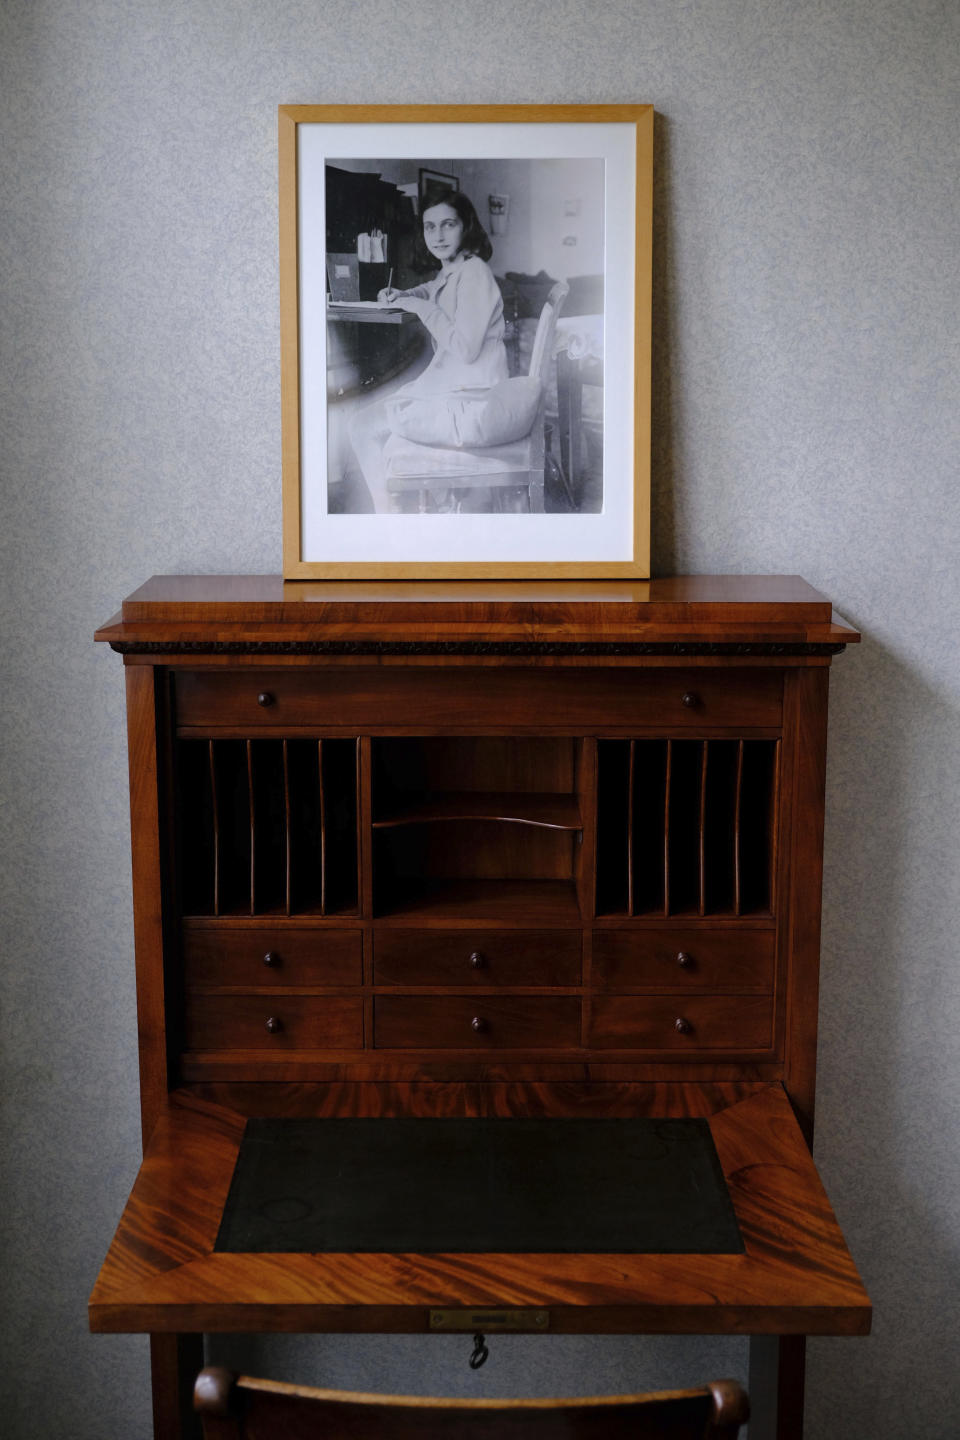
<point>465,321</point>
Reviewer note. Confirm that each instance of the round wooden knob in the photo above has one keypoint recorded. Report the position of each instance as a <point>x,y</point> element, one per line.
<point>682,1027</point>
<point>690,699</point>
<point>478,1024</point>
<point>477,960</point>
<point>684,960</point>
<point>264,698</point>
<point>274,1026</point>
<point>272,959</point>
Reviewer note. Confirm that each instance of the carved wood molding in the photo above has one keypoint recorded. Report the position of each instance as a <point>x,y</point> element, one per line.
<point>465,647</point>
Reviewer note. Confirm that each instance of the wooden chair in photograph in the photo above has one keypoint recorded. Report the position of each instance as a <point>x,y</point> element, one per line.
<point>236,1407</point>
<point>443,470</point>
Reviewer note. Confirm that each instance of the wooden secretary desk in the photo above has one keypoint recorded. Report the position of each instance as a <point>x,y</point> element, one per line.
<point>477,932</point>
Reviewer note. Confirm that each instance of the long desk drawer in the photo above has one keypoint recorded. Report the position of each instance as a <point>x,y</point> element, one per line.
<point>683,960</point>
<point>682,1023</point>
<point>247,957</point>
<point>441,1022</point>
<point>482,957</point>
<point>273,1022</point>
<point>359,699</point>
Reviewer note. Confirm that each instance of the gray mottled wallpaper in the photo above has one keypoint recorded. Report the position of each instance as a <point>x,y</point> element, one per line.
<point>806,420</point>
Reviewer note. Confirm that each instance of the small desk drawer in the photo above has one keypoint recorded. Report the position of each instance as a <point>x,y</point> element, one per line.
<point>247,957</point>
<point>483,957</point>
<point>684,960</point>
<point>482,1022</point>
<point>241,701</point>
<point>273,1022</point>
<point>683,1022</point>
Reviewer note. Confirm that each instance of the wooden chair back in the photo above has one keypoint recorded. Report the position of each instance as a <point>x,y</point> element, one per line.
<point>238,1407</point>
<point>542,352</point>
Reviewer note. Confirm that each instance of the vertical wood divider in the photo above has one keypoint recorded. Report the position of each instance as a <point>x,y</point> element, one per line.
<point>323,829</point>
<point>736,831</point>
<point>668,776</point>
<point>215,811</point>
<point>587,780</point>
<point>365,827</point>
<point>253,829</point>
<point>588,784</point>
<point>702,861</point>
<point>631,818</point>
<point>365,878</point>
<point>287,832</point>
<point>773,859</point>
<point>358,821</point>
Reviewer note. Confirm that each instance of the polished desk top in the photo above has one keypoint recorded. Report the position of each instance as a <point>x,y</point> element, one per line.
<point>794,1274</point>
<point>684,610</point>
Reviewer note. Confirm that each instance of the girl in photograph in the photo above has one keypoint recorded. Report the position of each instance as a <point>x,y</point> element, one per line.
<point>461,307</point>
<point>462,310</point>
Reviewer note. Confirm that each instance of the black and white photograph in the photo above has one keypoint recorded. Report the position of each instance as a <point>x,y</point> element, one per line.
<point>454,290</point>
<point>471,339</point>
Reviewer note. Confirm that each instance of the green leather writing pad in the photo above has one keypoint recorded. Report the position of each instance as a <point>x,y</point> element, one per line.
<point>478,1185</point>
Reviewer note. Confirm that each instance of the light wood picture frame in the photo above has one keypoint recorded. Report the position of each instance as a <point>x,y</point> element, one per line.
<point>466,391</point>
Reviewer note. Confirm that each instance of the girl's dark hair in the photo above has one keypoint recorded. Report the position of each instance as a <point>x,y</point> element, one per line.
<point>475,240</point>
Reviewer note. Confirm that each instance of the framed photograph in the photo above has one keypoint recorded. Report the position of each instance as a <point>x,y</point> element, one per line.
<point>465,321</point>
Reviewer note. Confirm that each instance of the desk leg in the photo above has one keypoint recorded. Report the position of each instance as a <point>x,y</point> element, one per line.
<point>777,1364</point>
<point>175,1361</point>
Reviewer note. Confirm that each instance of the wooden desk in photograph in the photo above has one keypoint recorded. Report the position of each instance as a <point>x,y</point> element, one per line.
<point>501,903</point>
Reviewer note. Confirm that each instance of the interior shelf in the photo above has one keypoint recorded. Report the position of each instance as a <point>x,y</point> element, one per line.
<point>479,827</point>
<point>469,901</point>
<point>552,811</point>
